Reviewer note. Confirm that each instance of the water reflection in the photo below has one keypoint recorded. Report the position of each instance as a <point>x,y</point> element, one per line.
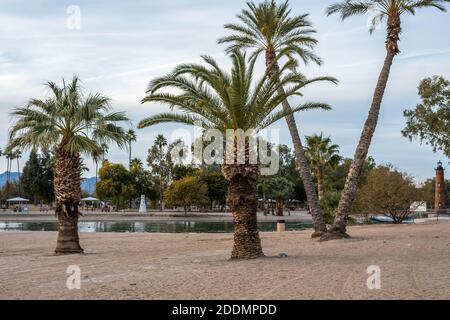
<point>186,226</point>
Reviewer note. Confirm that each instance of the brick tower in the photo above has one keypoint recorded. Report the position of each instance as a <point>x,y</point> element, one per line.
<point>439,195</point>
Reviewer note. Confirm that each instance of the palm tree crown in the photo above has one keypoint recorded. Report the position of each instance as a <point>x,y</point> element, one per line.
<point>268,27</point>
<point>389,10</point>
<point>320,151</point>
<point>215,99</point>
<point>80,123</point>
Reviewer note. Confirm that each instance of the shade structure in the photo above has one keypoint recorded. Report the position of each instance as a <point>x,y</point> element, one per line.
<point>90,199</point>
<point>17,199</point>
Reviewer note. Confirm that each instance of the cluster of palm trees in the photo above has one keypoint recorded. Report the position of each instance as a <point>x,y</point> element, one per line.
<point>10,157</point>
<point>206,94</point>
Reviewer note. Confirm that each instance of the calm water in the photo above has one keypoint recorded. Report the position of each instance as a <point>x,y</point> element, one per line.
<point>164,227</point>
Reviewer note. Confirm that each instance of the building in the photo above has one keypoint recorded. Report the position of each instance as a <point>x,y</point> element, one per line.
<point>440,195</point>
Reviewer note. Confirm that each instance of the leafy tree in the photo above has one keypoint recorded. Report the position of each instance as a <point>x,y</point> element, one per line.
<point>269,28</point>
<point>391,12</point>
<point>217,99</point>
<point>73,123</point>
<point>217,188</point>
<point>334,177</point>
<point>116,183</point>
<point>321,153</point>
<point>430,120</point>
<point>186,192</point>
<point>37,177</point>
<point>180,171</point>
<point>161,164</point>
<point>387,192</point>
<point>142,180</point>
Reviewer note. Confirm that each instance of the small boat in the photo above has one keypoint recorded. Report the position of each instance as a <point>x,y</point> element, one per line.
<point>382,219</point>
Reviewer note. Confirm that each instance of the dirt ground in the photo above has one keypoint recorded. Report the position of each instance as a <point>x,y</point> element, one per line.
<point>414,261</point>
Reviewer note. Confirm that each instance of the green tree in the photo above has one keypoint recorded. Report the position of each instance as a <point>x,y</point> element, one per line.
<point>186,192</point>
<point>391,12</point>
<point>387,192</point>
<point>269,29</point>
<point>321,153</point>
<point>430,120</point>
<point>142,180</point>
<point>72,123</point>
<point>161,164</point>
<point>116,183</point>
<point>37,177</point>
<point>217,188</point>
<point>221,100</point>
<point>180,171</point>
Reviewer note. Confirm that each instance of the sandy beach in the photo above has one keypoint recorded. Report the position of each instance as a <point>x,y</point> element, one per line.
<point>414,262</point>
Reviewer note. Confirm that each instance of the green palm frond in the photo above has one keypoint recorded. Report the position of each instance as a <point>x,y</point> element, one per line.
<point>172,117</point>
<point>81,122</point>
<point>270,26</point>
<point>321,152</point>
<point>383,9</point>
<point>213,98</point>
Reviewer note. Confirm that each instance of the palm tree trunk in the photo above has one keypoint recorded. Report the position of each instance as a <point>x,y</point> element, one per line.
<point>18,170</point>
<point>161,194</point>
<point>305,172</point>
<point>339,227</point>
<point>243,202</point>
<point>129,155</point>
<point>7,170</point>
<point>320,182</point>
<point>68,196</point>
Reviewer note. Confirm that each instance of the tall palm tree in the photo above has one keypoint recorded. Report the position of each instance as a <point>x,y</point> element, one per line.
<point>321,153</point>
<point>73,124</point>
<point>131,137</point>
<point>270,28</point>
<point>391,12</point>
<point>215,99</point>
<point>17,156</point>
<point>9,159</point>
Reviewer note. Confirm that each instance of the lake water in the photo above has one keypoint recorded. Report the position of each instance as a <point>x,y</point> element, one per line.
<point>149,226</point>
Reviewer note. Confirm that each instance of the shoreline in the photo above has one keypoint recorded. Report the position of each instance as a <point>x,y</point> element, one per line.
<point>153,216</point>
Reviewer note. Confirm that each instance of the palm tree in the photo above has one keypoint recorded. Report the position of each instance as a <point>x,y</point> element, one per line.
<point>73,124</point>
<point>131,137</point>
<point>321,153</point>
<point>9,159</point>
<point>215,99</point>
<point>269,28</point>
<point>17,156</point>
<point>391,12</point>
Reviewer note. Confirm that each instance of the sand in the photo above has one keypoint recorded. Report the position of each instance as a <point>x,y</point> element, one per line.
<point>414,262</point>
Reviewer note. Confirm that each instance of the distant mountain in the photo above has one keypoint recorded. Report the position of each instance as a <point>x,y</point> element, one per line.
<point>14,176</point>
<point>88,184</point>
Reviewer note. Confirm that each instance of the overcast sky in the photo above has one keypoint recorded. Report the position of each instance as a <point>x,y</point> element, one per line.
<point>121,45</point>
